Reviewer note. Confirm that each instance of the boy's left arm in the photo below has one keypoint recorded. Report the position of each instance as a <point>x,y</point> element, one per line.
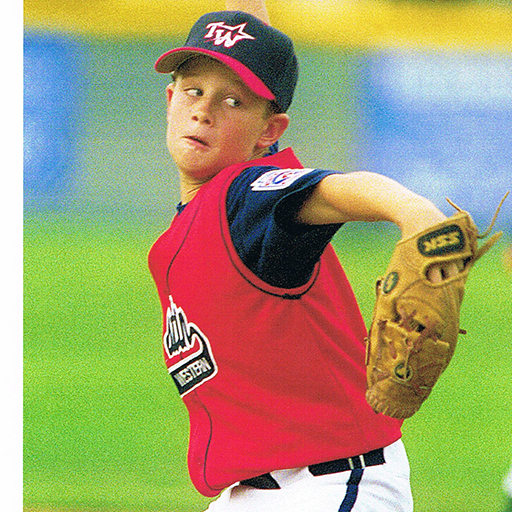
<point>369,197</point>
<point>416,317</point>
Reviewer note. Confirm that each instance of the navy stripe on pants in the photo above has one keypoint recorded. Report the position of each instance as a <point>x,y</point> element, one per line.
<point>352,489</point>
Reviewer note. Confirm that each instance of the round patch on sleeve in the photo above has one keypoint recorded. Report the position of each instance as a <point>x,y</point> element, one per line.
<point>278,179</point>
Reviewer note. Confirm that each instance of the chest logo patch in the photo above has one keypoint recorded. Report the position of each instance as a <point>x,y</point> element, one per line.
<point>278,179</point>
<point>188,353</point>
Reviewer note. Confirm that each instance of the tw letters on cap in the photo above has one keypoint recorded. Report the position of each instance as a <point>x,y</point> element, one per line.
<point>225,35</point>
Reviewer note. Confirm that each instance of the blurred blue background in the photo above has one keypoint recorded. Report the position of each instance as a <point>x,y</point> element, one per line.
<point>435,116</point>
<point>53,99</point>
<point>441,124</point>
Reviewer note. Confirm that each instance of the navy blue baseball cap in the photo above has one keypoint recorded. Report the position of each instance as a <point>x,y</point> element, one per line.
<point>262,56</point>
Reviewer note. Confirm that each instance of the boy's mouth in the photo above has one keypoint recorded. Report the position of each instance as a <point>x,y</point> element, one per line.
<point>196,140</point>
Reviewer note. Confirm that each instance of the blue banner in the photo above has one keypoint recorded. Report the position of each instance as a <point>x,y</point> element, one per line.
<point>441,124</point>
<point>53,85</point>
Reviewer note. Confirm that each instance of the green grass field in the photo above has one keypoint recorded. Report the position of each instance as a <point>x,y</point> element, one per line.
<point>104,429</point>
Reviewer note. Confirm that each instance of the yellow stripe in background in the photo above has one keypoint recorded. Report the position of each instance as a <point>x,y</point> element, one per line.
<point>364,23</point>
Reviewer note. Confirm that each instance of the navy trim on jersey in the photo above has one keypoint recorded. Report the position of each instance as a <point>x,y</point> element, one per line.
<point>272,150</point>
<point>352,490</point>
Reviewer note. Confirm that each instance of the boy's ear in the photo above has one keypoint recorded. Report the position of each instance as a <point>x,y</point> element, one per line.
<point>169,90</point>
<point>276,126</point>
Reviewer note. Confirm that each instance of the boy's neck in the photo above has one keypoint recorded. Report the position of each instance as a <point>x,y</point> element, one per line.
<point>189,190</point>
<point>189,186</point>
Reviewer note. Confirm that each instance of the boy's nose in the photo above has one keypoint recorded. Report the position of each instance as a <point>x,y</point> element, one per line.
<point>202,113</point>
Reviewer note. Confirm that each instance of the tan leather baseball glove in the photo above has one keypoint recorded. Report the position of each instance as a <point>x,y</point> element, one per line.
<point>416,320</point>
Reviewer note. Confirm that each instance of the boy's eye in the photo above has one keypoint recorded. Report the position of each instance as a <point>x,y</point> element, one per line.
<point>194,92</point>
<point>233,102</point>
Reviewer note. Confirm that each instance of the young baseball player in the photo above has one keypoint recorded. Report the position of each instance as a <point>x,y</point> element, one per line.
<point>263,337</point>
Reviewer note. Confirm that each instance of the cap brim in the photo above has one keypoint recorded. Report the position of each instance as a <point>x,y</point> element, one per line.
<point>170,61</point>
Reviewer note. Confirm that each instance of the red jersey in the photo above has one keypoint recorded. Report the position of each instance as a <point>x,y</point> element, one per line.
<point>272,378</point>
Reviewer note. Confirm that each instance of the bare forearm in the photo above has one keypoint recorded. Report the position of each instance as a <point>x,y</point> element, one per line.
<point>257,8</point>
<point>365,196</point>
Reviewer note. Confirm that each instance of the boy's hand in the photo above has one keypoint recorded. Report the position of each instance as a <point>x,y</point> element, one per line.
<point>257,8</point>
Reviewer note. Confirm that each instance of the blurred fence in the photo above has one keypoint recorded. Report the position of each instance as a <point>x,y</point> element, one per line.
<point>441,124</point>
<point>53,94</point>
<point>419,91</point>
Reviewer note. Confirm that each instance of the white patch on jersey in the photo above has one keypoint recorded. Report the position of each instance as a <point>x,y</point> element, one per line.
<point>184,342</point>
<point>278,179</point>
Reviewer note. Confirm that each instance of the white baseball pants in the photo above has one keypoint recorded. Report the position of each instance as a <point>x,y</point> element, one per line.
<point>382,488</point>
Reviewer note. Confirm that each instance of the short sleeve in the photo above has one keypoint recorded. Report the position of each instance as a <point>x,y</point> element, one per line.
<point>262,205</point>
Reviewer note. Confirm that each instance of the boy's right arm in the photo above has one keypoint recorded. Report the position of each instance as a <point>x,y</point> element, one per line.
<point>257,8</point>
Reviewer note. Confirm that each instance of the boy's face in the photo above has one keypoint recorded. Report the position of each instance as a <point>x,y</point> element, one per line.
<point>214,120</point>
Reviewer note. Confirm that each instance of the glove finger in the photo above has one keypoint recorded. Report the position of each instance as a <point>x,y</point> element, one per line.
<point>442,271</point>
<point>434,274</point>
